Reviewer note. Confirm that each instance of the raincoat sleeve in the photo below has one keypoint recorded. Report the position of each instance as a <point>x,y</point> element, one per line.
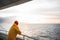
<point>17,29</point>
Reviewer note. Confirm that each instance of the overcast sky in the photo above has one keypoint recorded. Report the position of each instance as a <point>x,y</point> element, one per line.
<point>34,10</point>
<point>38,5</point>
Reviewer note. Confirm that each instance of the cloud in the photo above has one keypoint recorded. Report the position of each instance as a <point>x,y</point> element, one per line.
<point>7,19</point>
<point>2,20</point>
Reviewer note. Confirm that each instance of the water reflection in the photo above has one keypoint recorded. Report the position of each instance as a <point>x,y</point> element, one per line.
<point>42,32</point>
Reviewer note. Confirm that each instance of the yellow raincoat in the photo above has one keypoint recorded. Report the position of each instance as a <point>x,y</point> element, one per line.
<point>14,30</point>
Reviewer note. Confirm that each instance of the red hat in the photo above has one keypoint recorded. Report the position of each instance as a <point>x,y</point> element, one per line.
<point>16,22</point>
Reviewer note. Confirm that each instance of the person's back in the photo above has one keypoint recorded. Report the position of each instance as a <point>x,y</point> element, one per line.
<point>14,30</point>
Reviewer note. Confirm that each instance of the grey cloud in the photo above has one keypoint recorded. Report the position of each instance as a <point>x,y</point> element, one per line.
<point>2,20</point>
